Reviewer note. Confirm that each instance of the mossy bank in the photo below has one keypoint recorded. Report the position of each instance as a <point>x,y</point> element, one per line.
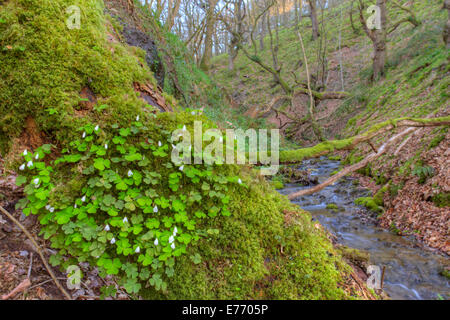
<point>250,250</point>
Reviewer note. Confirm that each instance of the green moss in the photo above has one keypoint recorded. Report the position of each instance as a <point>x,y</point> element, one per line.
<point>445,273</point>
<point>442,199</point>
<point>244,260</point>
<point>369,203</point>
<point>332,206</point>
<point>277,184</point>
<point>251,254</point>
<point>58,64</point>
<point>355,256</point>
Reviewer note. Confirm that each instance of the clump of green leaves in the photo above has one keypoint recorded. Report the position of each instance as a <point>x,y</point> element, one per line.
<point>423,172</point>
<point>126,217</point>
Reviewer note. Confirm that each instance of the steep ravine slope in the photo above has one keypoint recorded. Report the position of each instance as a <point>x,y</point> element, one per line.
<point>113,199</point>
<point>413,179</point>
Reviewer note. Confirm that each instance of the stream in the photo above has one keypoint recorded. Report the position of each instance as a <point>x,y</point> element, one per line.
<point>412,272</point>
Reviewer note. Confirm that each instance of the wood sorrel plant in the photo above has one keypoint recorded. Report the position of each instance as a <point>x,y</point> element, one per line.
<point>126,217</point>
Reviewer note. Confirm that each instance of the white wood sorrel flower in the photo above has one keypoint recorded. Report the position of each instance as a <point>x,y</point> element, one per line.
<point>22,167</point>
<point>130,173</point>
<point>107,227</point>
<point>172,246</point>
<point>156,242</point>
<point>159,144</point>
<point>137,250</point>
<point>113,241</point>
<point>125,220</point>
<point>25,152</point>
<point>171,239</point>
<point>30,164</point>
<point>239,181</point>
<point>96,128</point>
<point>37,156</point>
<point>84,135</point>
<point>175,230</point>
<point>36,181</point>
<point>83,199</point>
<point>155,209</point>
<point>137,119</point>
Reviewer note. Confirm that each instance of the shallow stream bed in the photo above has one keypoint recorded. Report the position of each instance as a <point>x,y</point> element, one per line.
<point>412,272</point>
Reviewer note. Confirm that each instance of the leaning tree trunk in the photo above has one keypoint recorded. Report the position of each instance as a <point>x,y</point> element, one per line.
<point>447,26</point>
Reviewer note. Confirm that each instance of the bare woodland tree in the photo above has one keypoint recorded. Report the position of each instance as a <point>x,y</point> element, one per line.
<point>378,36</point>
<point>446,34</point>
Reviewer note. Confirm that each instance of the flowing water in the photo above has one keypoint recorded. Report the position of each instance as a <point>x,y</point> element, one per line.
<point>412,272</point>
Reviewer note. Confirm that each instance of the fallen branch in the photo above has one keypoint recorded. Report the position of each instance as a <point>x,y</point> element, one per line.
<point>20,288</point>
<point>326,147</point>
<point>38,249</point>
<point>382,150</point>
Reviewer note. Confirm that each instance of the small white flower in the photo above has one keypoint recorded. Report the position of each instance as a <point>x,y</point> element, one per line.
<point>172,246</point>
<point>75,206</point>
<point>107,228</point>
<point>30,164</point>
<point>25,152</point>
<point>181,168</point>
<point>37,156</point>
<point>137,250</point>
<point>175,230</point>
<point>36,181</point>
<point>48,207</point>
<point>155,209</point>
<point>51,209</point>
<point>106,146</point>
<point>159,144</point>
<point>96,128</point>
<point>83,199</point>
<point>137,119</point>
<point>84,134</point>
<point>184,128</point>
<point>22,167</point>
<point>125,220</point>
<point>193,113</point>
<point>239,181</point>
<point>113,241</point>
<point>156,242</point>
<point>171,239</point>
<point>130,173</point>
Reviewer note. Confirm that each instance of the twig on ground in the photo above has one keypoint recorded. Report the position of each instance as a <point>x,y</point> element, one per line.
<point>20,288</point>
<point>38,249</point>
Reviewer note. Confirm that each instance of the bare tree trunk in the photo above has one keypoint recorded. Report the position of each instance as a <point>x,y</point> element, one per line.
<point>262,34</point>
<point>379,58</point>
<point>314,21</point>
<point>447,27</point>
<point>210,26</point>
<point>172,13</point>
